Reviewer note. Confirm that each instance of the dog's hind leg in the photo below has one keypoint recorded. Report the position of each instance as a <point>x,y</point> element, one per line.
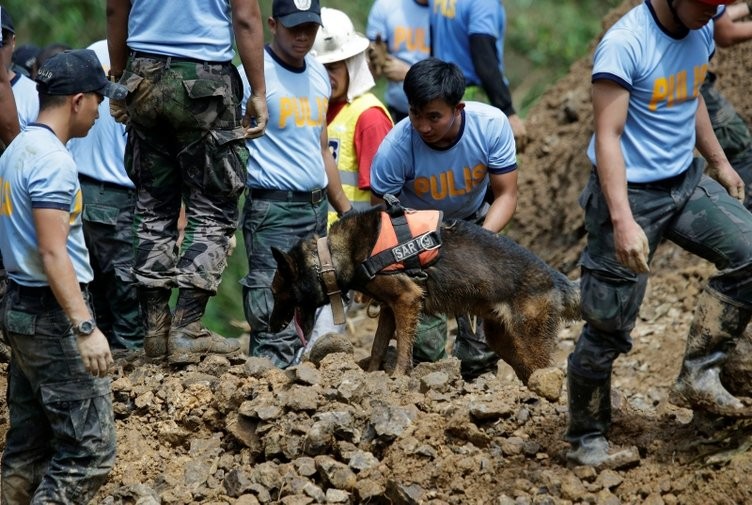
<point>384,333</point>
<point>526,350</point>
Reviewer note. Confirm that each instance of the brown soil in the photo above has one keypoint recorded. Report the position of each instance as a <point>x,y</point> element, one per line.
<point>244,433</point>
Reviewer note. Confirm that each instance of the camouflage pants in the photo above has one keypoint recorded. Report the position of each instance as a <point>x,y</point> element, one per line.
<point>732,132</point>
<point>268,224</point>
<point>185,143</point>
<point>108,230</point>
<point>430,338</point>
<point>691,210</point>
<point>60,445</point>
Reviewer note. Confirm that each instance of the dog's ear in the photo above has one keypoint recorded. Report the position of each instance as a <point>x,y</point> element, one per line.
<point>285,264</point>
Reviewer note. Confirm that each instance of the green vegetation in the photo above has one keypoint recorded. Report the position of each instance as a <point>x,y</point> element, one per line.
<point>543,38</point>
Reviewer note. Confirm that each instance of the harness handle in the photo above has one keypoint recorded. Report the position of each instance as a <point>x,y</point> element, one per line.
<point>329,278</point>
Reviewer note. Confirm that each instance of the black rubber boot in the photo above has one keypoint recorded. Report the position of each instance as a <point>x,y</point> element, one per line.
<point>589,420</point>
<point>470,347</point>
<point>155,307</point>
<point>189,340</point>
<point>715,328</point>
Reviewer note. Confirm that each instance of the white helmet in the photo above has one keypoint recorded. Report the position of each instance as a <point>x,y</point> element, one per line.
<point>337,39</point>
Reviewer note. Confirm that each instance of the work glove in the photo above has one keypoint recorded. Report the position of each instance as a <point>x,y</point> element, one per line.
<point>377,52</point>
<point>119,111</point>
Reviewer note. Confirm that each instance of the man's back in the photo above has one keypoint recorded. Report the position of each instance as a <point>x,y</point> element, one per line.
<point>196,29</point>
<point>452,24</point>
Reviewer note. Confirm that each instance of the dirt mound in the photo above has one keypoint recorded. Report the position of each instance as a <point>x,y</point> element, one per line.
<point>240,433</point>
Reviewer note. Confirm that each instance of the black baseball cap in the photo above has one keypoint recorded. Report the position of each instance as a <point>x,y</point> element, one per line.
<point>296,12</point>
<point>25,56</point>
<point>6,20</point>
<point>76,71</point>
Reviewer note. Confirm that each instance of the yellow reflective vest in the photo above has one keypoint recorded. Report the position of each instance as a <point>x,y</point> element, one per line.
<point>341,132</point>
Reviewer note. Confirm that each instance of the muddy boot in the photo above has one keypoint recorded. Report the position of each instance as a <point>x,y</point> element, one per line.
<point>430,339</point>
<point>715,328</point>
<point>155,307</point>
<point>589,420</point>
<point>189,341</point>
<point>329,344</point>
<point>470,347</point>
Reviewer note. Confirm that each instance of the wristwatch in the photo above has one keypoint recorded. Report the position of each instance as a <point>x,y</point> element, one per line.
<point>84,328</point>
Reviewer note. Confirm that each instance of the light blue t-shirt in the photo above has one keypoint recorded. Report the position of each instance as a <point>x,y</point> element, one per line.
<point>663,75</point>
<point>26,98</point>
<point>453,179</point>
<point>99,154</point>
<point>196,29</point>
<point>452,23</point>
<point>37,171</point>
<point>288,155</point>
<point>403,25</point>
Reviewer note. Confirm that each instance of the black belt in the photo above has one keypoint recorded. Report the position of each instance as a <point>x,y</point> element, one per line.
<point>661,185</point>
<point>174,59</point>
<point>104,184</point>
<point>36,291</point>
<point>277,195</point>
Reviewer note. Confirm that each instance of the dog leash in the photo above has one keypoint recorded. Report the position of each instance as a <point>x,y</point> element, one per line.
<point>329,278</point>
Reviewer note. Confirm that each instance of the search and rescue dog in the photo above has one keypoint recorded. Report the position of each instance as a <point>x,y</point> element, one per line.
<point>521,299</point>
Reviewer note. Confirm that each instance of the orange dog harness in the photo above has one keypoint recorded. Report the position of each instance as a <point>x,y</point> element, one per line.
<point>408,242</point>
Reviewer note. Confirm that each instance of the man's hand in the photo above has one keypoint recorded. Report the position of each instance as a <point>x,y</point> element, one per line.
<point>95,353</point>
<point>632,247</point>
<point>519,131</point>
<point>729,179</point>
<point>377,54</point>
<point>256,116</point>
<point>119,111</point>
<point>395,69</point>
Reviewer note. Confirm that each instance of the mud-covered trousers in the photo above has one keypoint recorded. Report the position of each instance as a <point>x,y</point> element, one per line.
<point>281,224</point>
<point>60,446</point>
<point>185,143</point>
<point>693,211</point>
<point>732,132</point>
<point>108,230</point>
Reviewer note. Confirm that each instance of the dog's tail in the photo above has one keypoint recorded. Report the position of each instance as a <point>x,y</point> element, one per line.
<point>570,291</point>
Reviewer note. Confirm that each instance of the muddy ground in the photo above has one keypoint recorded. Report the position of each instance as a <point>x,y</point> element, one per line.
<point>240,433</point>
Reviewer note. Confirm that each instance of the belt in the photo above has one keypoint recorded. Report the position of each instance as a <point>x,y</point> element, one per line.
<point>36,291</point>
<point>661,185</point>
<point>277,195</point>
<point>104,184</point>
<point>173,59</point>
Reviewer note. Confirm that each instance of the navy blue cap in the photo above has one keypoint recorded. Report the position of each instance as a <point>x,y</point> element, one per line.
<point>6,20</point>
<point>296,12</point>
<point>76,71</point>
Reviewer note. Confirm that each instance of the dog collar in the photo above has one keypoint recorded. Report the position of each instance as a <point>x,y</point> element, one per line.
<point>329,278</point>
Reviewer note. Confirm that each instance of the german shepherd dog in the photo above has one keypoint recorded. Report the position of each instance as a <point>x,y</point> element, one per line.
<point>520,298</point>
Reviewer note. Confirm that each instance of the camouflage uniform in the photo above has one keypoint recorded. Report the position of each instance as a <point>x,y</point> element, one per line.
<point>692,210</point>
<point>267,224</point>
<point>732,133</point>
<point>62,431</point>
<point>185,142</point>
<point>108,230</point>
